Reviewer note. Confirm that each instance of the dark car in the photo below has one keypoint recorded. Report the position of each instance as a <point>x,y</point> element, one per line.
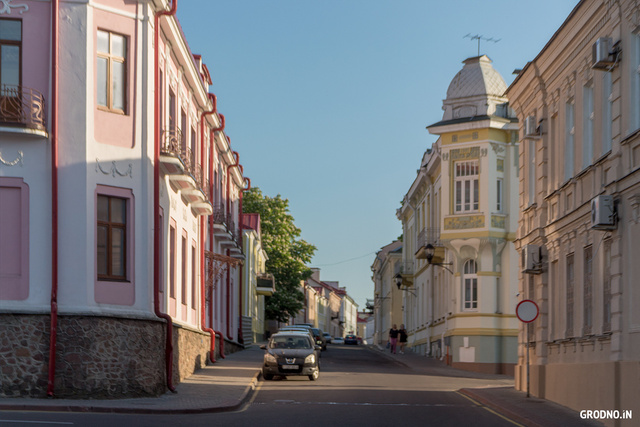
<point>290,354</point>
<point>351,339</point>
<point>320,339</point>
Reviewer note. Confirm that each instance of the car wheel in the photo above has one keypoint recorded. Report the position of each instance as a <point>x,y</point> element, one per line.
<point>315,375</point>
<point>267,377</point>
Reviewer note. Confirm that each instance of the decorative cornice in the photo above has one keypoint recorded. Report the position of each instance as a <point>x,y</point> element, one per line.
<point>5,7</point>
<point>114,169</point>
<point>14,162</point>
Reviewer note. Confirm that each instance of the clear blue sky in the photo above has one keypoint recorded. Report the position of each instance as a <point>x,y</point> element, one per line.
<point>327,101</point>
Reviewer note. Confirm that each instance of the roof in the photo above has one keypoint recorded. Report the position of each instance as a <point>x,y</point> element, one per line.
<point>477,77</point>
<point>251,221</point>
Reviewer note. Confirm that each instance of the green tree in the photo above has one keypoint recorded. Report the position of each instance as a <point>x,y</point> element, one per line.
<point>288,254</point>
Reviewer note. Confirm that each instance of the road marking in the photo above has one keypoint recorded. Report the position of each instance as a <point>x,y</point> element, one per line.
<point>35,422</point>
<point>490,410</point>
<point>422,405</point>
<point>253,397</point>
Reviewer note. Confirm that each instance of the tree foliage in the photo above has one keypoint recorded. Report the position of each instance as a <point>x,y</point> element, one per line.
<point>288,254</point>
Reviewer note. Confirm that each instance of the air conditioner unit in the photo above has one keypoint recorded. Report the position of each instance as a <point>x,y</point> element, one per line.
<point>603,215</point>
<point>530,126</point>
<point>532,259</point>
<point>602,59</point>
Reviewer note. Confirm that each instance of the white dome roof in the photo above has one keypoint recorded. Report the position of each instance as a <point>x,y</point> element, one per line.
<point>477,77</point>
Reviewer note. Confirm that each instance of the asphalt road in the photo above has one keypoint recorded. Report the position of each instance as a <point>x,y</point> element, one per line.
<point>356,387</point>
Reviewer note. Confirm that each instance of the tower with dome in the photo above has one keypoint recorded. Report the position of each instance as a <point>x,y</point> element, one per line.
<point>460,268</point>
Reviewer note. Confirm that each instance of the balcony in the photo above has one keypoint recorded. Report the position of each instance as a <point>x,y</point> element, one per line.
<point>430,236</point>
<point>185,175</point>
<point>266,285</point>
<point>22,110</point>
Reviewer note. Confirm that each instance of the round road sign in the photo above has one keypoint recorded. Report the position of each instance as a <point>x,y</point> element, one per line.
<point>527,311</point>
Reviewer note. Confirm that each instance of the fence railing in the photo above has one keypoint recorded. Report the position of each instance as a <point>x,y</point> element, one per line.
<point>21,105</point>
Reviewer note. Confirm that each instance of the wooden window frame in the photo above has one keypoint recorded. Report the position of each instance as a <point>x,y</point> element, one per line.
<point>111,59</point>
<point>110,227</point>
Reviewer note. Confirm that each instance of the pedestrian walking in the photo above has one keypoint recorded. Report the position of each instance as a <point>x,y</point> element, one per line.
<point>393,338</point>
<point>402,337</point>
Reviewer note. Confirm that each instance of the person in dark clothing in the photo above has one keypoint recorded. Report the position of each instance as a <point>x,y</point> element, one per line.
<point>393,338</point>
<point>402,335</point>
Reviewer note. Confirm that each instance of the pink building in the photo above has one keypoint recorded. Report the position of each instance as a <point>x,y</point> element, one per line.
<point>120,202</point>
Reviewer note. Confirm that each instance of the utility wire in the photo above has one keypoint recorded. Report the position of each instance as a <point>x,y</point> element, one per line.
<point>346,260</point>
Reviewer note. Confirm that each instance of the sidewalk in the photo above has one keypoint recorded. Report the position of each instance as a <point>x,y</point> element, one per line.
<point>503,399</point>
<point>224,386</point>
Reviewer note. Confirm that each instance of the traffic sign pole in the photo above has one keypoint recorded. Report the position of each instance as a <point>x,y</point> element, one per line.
<point>527,311</point>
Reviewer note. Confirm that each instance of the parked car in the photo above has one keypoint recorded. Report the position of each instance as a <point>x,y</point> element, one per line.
<point>351,339</point>
<point>338,340</point>
<point>320,339</point>
<point>290,353</point>
<point>327,337</point>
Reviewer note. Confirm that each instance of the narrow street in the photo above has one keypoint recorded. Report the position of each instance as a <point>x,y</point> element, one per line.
<point>357,386</point>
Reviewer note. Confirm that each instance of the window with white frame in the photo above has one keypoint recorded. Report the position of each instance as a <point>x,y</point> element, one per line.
<point>588,116</point>
<point>569,296</point>
<point>532,171</point>
<point>635,81</point>
<point>588,291</point>
<point>569,140</point>
<point>466,186</point>
<point>607,100</point>
<point>470,281</point>
<point>112,71</point>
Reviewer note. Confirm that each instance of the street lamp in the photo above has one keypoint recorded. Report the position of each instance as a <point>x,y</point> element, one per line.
<point>398,279</point>
<point>430,251</point>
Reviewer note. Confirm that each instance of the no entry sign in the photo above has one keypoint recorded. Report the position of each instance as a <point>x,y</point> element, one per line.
<point>527,311</point>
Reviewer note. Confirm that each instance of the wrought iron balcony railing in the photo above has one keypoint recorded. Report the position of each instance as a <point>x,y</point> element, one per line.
<point>22,106</point>
<point>173,145</point>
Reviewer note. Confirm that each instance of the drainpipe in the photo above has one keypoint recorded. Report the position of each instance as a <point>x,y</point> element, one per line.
<point>240,336</point>
<point>55,11</point>
<point>203,224</point>
<point>156,200</point>
<point>212,139</point>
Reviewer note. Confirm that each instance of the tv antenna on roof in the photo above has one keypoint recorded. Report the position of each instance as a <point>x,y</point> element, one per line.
<point>481,37</point>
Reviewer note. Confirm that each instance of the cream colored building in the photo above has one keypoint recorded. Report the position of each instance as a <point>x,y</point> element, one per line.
<point>256,283</point>
<point>460,307</point>
<point>387,300</point>
<point>578,103</point>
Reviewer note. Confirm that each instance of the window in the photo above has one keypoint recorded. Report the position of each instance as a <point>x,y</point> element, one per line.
<point>112,238</point>
<point>606,287</point>
<point>112,71</point>
<point>588,116</point>
<point>194,284</point>
<point>588,291</point>
<point>569,301</point>
<point>470,285</point>
<point>499,195</point>
<point>172,262</point>
<point>532,171</point>
<point>14,239</point>
<point>568,141</point>
<point>635,81</point>
<point>466,186</point>
<point>607,100</point>
<point>10,64</point>
<point>183,290</point>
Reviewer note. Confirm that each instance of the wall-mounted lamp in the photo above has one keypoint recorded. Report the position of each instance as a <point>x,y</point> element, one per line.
<point>398,279</point>
<point>430,251</point>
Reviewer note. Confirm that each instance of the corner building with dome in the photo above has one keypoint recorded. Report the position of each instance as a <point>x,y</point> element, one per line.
<point>459,266</point>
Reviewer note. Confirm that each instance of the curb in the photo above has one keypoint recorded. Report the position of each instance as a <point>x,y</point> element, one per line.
<point>246,394</point>
<point>514,416</point>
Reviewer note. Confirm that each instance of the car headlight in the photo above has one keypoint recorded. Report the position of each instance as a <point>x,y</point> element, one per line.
<point>310,359</point>
<point>270,358</point>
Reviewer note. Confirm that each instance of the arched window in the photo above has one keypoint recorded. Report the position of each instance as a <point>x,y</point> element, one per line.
<point>470,285</point>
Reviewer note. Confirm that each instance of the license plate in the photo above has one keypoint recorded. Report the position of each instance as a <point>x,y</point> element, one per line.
<point>289,366</point>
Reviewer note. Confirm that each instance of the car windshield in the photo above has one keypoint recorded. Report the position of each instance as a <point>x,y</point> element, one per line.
<point>290,342</point>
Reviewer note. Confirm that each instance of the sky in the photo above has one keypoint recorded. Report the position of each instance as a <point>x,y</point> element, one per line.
<point>327,101</point>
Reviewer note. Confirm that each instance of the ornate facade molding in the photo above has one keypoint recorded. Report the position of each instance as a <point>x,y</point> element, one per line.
<point>18,160</point>
<point>5,7</point>
<point>114,169</point>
